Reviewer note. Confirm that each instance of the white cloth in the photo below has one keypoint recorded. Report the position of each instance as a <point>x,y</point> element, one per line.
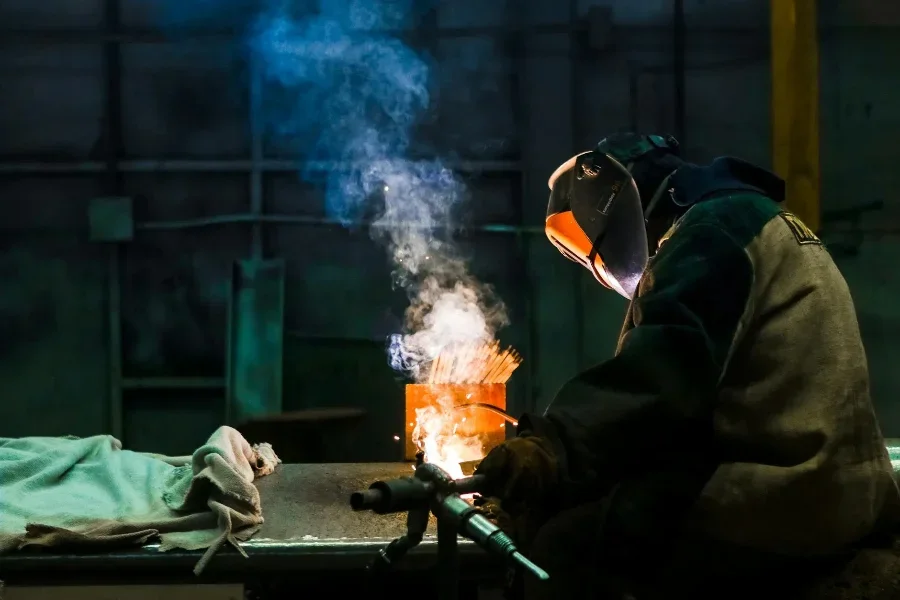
<point>90,492</point>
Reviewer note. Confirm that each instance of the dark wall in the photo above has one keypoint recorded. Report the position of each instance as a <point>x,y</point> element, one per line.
<point>524,102</point>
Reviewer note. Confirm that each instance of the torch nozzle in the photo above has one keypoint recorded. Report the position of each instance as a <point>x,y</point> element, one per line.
<point>529,566</point>
<point>366,500</point>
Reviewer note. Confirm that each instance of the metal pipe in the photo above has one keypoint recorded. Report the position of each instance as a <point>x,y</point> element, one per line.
<point>575,127</point>
<point>229,166</point>
<point>148,36</point>
<point>795,105</point>
<point>311,221</point>
<point>678,70</point>
<point>519,107</point>
<point>527,281</point>
<point>257,157</point>
<point>173,383</point>
<point>114,325</point>
<point>880,228</point>
<point>114,144</point>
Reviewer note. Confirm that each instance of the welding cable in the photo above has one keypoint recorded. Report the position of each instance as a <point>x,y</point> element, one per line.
<point>490,408</point>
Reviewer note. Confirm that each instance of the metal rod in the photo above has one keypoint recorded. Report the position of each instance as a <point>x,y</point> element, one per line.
<point>150,35</point>
<point>883,228</point>
<point>575,128</point>
<point>520,111</point>
<point>114,143</point>
<point>678,70</point>
<point>114,324</point>
<point>173,383</point>
<point>490,408</point>
<point>229,166</point>
<point>527,282</point>
<point>256,150</point>
<point>147,35</point>
<point>230,326</point>
<point>310,221</point>
<point>795,98</point>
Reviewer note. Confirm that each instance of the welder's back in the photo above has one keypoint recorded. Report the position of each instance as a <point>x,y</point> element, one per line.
<point>805,469</point>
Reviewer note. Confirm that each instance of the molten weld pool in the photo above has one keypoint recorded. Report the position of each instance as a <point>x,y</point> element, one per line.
<point>454,423</point>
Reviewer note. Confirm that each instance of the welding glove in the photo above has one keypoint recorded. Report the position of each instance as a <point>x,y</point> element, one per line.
<point>521,476</point>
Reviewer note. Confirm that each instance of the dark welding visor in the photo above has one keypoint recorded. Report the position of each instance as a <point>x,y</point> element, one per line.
<point>595,218</point>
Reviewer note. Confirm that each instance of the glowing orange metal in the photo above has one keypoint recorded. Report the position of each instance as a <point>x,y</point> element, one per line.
<point>468,424</point>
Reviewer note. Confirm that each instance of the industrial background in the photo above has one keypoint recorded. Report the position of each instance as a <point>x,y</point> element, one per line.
<point>141,198</point>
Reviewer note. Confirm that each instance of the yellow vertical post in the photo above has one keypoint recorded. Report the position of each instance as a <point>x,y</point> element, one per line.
<point>795,104</point>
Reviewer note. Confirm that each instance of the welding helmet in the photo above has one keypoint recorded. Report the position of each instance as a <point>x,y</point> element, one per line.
<point>596,217</point>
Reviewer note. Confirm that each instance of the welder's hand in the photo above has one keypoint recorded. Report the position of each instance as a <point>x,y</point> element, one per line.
<point>519,471</point>
<point>492,509</point>
<point>521,474</point>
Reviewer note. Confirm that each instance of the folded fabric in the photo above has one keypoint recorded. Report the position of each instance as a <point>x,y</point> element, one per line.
<point>89,492</point>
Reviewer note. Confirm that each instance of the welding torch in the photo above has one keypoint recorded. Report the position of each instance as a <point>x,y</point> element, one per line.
<point>432,489</point>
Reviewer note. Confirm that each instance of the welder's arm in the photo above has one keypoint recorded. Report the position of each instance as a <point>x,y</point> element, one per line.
<point>653,401</point>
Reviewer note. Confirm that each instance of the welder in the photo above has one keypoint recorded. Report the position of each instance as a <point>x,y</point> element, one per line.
<point>732,436</point>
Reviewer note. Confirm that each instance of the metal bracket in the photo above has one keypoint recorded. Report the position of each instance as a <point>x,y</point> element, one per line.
<point>111,219</point>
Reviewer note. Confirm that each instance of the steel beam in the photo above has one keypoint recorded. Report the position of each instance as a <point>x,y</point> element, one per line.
<point>158,35</point>
<point>257,155</point>
<point>576,128</point>
<point>140,35</point>
<point>173,383</point>
<point>114,185</point>
<point>795,104</point>
<point>305,220</point>
<point>886,226</point>
<point>678,70</point>
<point>520,107</point>
<point>227,166</point>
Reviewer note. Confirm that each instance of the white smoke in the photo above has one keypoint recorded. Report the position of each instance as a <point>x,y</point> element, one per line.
<point>359,94</point>
<point>447,304</point>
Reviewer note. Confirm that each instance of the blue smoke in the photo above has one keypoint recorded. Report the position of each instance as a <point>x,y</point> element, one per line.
<point>338,84</point>
<point>340,88</point>
<point>344,93</point>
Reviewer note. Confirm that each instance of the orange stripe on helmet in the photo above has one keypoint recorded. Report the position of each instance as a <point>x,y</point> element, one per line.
<point>563,232</point>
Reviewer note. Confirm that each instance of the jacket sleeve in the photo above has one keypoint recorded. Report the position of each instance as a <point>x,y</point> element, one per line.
<point>653,402</point>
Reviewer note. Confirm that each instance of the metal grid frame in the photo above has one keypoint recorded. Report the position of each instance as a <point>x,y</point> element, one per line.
<point>113,168</point>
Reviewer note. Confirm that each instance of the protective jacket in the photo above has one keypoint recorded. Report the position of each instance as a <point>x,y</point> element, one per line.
<point>737,406</point>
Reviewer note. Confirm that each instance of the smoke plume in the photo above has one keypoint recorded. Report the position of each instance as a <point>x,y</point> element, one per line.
<point>339,86</point>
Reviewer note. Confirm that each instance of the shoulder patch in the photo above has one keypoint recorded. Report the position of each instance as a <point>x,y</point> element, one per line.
<point>802,233</point>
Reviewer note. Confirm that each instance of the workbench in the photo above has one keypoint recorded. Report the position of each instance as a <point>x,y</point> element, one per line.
<point>310,538</point>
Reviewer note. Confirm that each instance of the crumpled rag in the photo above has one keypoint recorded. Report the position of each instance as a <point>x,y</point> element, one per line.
<point>89,492</point>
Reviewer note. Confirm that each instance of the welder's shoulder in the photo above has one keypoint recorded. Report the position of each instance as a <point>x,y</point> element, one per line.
<point>743,217</point>
<point>776,244</point>
<point>708,246</point>
<point>745,237</point>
